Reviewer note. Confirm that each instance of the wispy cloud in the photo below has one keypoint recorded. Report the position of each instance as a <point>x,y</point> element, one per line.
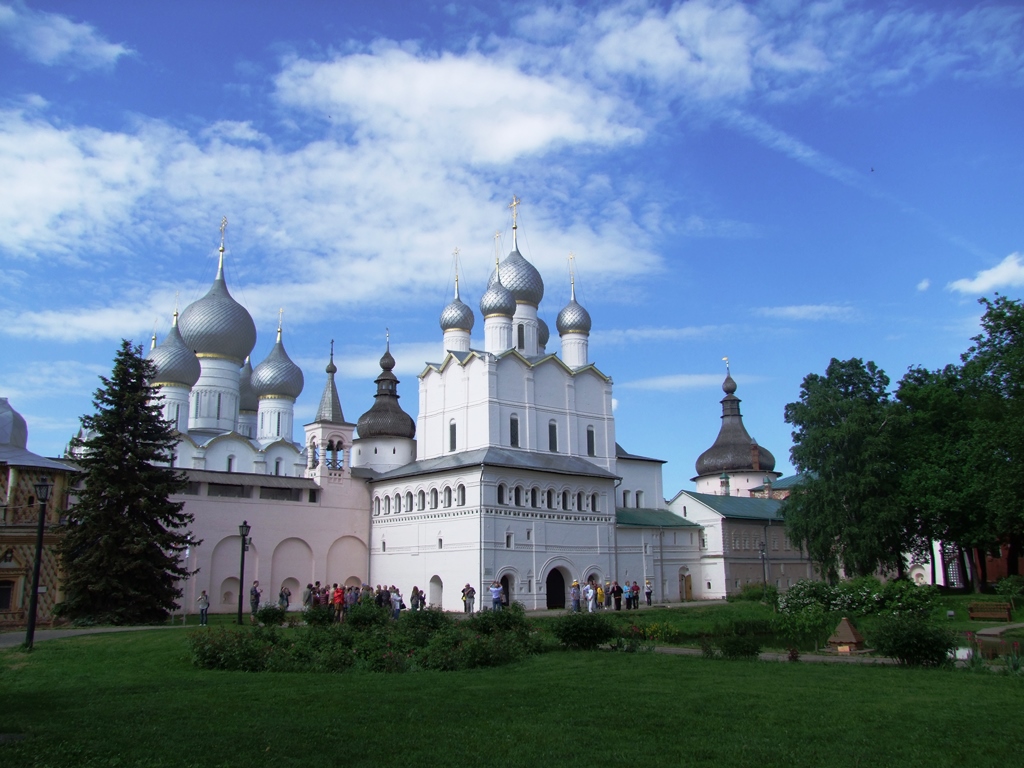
<point>807,312</point>
<point>924,285</point>
<point>1007,273</point>
<point>677,382</point>
<point>631,335</point>
<point>55,40</point>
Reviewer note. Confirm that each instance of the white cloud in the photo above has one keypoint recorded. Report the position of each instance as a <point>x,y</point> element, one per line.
<point>633,335</point>
<point>924,285</point>
<point>807,312</point>
<point>677,382</point>
<point>47,380</point>
<point>1007,273</point>
<point>52,39</point>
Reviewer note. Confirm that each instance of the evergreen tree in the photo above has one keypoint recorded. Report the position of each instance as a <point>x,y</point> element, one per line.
<point>846,442</point>
<point>122,549</point>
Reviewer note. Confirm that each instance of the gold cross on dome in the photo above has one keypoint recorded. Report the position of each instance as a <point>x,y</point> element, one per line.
<point>514,205</point>
<point>223,226</point>
<point>280,316</point>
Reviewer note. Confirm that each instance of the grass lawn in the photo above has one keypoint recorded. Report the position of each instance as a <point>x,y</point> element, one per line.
<point>134,699</point>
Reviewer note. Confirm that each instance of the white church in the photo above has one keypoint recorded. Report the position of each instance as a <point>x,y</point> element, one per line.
<point>510,472</point>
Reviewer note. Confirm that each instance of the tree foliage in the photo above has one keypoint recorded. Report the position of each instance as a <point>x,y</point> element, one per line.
<point>122,549</point>
<point>846,439</point>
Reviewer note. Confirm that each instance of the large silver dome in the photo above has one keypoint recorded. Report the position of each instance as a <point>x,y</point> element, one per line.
<point>217,324</point>
<point>573,319</point>
<point>386,417</point>
<point>175,363</point>
<point>277,375</point>
<point>13,429</point>
<point>247,400</point>
<point>520,277</point>
<point>457,316</point>
<point>497,300</point>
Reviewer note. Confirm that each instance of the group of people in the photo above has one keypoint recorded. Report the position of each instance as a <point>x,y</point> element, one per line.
<point>339,599</point>
<point>597,596</point>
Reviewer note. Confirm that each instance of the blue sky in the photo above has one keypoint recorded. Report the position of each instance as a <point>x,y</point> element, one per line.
<point>777,182</point>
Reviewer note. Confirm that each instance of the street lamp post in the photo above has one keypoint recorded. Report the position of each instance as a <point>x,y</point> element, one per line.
<point>43,488</point>
<point>243,531</point>
<point>764,567</point>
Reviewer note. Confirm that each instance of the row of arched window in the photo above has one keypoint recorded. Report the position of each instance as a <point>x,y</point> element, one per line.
<point>629,496</point>
<point>433,499</point>
<point>514,442</point>
<point>519,496</point>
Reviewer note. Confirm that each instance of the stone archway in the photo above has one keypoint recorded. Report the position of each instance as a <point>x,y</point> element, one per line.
<point>554,587</point>
<point>435,592</point>
<point>507,585</point>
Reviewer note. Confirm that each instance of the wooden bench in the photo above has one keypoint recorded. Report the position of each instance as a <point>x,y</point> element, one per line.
<point>989,612</point>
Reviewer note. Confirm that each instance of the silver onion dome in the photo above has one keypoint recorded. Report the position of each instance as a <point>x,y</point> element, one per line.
<point>247,400</point>
<point>457,316</point>
<point>175,363</point>
<point>497,300</point>
<point>386,417</point>
<point>520,277</point>
<point>217,324</point>
<point>573,319</point>
<point>13,429</point>
<point>543,333</point>
<point>277,375</point>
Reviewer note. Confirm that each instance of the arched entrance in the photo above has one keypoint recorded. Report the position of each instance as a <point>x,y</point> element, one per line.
<point>506,588</point>
<point>435,592</point>
<point>554,586</point>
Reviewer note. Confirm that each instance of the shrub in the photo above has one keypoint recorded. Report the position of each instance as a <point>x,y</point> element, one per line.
<point>914,641</point>
<point>810,625</point>
<point>234,650</point>
<point>317,616</point>
<point>270,615</point>
<point>367,615</point>
<point>417,627</point>
<point>1011,587</point>
<point>739,646</point>
<point>583,631</point>
<point>444,651</point>
<point>757,593</point>
<point>633,639</point>
<point>510,619</point>
<point>664,633</point>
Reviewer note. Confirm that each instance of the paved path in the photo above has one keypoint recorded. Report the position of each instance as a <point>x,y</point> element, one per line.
<point>997,631</point>
<point>14,639</point>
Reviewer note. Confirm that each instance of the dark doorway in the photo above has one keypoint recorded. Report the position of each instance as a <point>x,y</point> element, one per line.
<point>555,587</point>
<point>506,591</point>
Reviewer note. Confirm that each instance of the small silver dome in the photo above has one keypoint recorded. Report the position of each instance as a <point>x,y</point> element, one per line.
<point>520,277</point>
<point>543,333</point>
<point>175,363</point>
<point>497,300</point>
<point>277,375</point>
<point>13,429</point>
<point>573,319</point>
<point>457,316</point>
<point>217,324</point>
<point>247,400</point>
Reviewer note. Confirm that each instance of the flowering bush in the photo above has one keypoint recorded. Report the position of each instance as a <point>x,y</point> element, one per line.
<point>860,597</point>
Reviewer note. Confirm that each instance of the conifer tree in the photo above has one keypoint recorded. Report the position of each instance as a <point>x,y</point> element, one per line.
<point>122,549</point>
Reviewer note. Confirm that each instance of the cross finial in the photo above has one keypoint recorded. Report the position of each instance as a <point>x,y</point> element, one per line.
<point>280,317</point>
<point>223,226</point>
<point>726,359</point>
<point>514,205</point>
<point>572,275</point>
<point>387,338</point>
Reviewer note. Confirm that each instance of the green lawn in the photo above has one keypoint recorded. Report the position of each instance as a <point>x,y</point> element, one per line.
<point>133,699</point>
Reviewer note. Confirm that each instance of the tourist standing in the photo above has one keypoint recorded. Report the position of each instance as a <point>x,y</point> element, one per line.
<point>469,594</point>
<point>396,602</point>
<point>284,597</point>
<point>591,597</point>
<point>254,599</point>
<point>601,596</point>
<point>496,592</point>
<point>307,597</point>
<point>574,596</point>
<point>616,591</point>
<point>204,607</point>
<point>648,591</point>
<point>635,589</point>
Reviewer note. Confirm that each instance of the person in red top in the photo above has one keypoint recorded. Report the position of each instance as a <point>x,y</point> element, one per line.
<point>338,598</point>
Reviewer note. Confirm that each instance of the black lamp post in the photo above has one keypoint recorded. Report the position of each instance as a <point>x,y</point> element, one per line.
<point>43,488</point>
<point>764,566</point>
<point>243,531</point>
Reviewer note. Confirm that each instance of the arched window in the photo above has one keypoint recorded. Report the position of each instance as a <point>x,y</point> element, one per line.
<point>627,498</point>
<point>565,499</point>
<point>513,431</point>
<point>639,499</point>
<point>552,436</point>
<point>551,499</point>
<point>231,463</point>
<point>433,498</point>
<point>593,502</point>
<point>518,496</point>
<point>278,423</point>
<point>579,501</point>
<point>447,497</point>
<point>421,501</point>
<point>408,501</point>
<point>218,405</point>
<point>460,496</point>
<point>501,493</point>
<point>387,505</point>
<point>376,507</point>
<point>277,466</point>
<point>533,497</point>
<point>591,442</point>
<point>451,435</point>
<point>521,337</point>
<point>196,414</point>
<point>398,503</point>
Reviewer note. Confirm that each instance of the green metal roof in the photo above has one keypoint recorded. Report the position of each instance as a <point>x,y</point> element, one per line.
<point>741,507</point>
<point>784,483</point>
<point>633,517</point>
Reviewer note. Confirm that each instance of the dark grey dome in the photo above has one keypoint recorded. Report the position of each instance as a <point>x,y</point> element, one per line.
<point>13,429</point>
<point>520,277</point>
<point>734,450</point>
<point>277,375</point>
<point>217,324</point>
<point>175,363</point>
<point>457,316</point>
<point>543,333</point>
<point>573,319</point>
<point>386,417</point>
<point>247,400</point>
<point>497,300</point>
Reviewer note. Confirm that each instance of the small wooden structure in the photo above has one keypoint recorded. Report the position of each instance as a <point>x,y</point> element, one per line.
<point>846,638</point>
<point>990,612</point>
